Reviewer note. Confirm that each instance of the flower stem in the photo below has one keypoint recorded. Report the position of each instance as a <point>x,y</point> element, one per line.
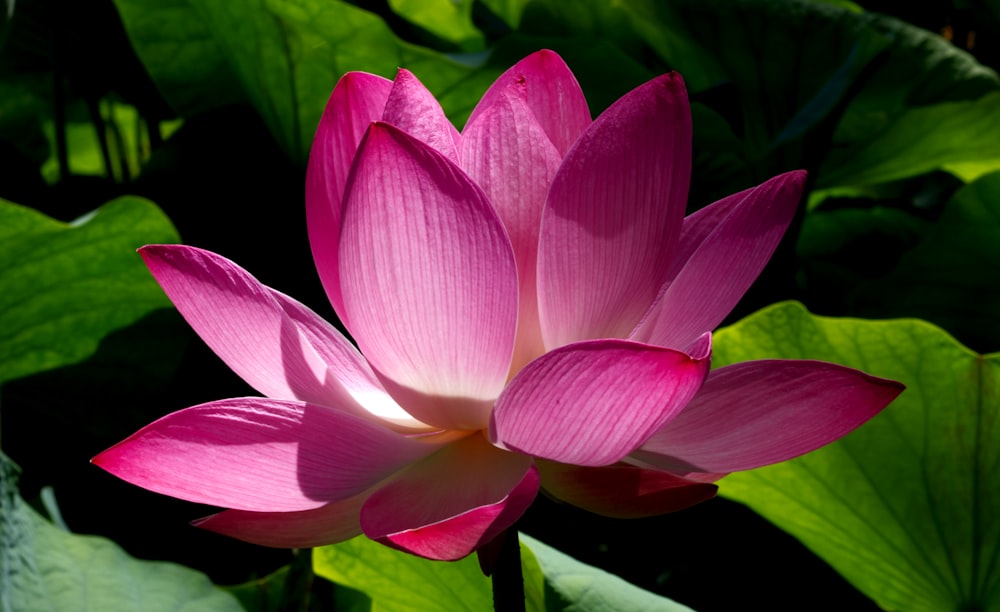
<point>508,582</point>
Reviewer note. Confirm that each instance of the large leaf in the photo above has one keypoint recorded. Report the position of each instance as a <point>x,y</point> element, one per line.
<point>451,20</point>
<point>47,568</point>
<point>181,54</point>
<point>396,580</point>
<point>572,585</point>
<point>907,507</point>
<point>951,134</point>
<point>65,286</point>
<point>882,262</point>
<point>553,581</point>
<point>287,56</point>
<point>785,74</point>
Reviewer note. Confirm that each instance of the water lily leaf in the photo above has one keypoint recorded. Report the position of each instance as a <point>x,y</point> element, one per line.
<point>920,140</point>
<point>450,20</point>
<point>65,286</point>
<point>866,78</point>
<point>906,508</point>
<point>271,594</point>
<point>178,49</point>
<point>47,568</point>
<point>286,55</point>
<point>396,580</point>
<point>572,585</point>
<point>508,10</point>
<point>553,581</point>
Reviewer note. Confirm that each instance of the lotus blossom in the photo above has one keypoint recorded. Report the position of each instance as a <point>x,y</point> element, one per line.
<point>532,310</point>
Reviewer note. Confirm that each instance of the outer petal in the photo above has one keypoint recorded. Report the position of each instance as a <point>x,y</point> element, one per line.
<point>453,502</point>
<point>260,454</point>
<point>328,524</point>
<point>552,94</point>
<point>505,152</point>
<point>415,110</point>
<point>614,214</point>
<point>592,403</point>
<point>761,412</point>
<point>430,283</point>
<point>356,101</point>
<point>723,248</point>
<point>622,491</point>
<point>280,347</point>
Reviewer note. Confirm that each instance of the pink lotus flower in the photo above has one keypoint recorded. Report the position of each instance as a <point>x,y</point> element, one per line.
<point>532,310</point>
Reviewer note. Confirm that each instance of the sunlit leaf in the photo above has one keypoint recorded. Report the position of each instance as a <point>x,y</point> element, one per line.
<point>64,287</point>
<point>920,140</point>
<point>572,585</point>
<point>450,20</point>
<point>907,507</point>
<point>396,580</point>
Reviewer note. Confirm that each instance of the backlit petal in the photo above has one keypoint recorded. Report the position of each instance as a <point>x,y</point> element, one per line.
<point>277,345</point>
<point>429,278</point>
<point>453,502</point>
<point>260,454</point>
<point>622,491</point>
<point>552,94</point>
<point>719,259</point>
<point>614,214</point>
<point>761,412</point>
<point>506,152</point>
<point>593,402</point>
<point>357,100</point>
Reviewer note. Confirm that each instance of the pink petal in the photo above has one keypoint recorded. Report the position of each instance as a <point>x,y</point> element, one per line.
<point>260,454</point>
<point>592,403</point>
<point>552,94</point>
<point>723,248</point>
<point>613,216</point>
<point>280,347</point>
<point>506,152</point>
<point>415,110</point>
<point>334,522</point>
<point>622,491</point>
<point>761,412</point>
<point>356,101</point>
<point>453,502</point>
<point>430,282</point>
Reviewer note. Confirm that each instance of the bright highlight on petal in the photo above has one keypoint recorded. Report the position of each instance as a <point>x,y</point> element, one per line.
<point>531,310</point>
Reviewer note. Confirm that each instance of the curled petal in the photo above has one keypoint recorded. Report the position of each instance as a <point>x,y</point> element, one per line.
<point>260,454</point>
<point>505,152</point>
<point>761,412</point>
<point>357,100</point>
<point>429,279</point>
<point>277,345</point>
<point>622,491</point>
<point>453,502</point>
<point>552,94</point>
<point>723,249</point>
<point>331,523</point>
<point>594,402</point>
<point>415,110</point>
<point>613,216</point>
